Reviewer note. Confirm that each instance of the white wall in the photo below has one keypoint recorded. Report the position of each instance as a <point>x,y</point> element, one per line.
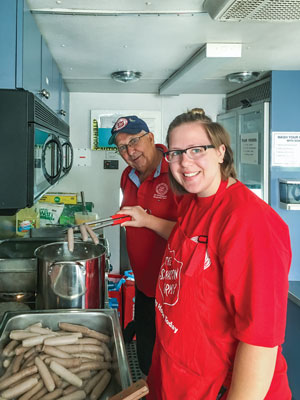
<point>102,186</point>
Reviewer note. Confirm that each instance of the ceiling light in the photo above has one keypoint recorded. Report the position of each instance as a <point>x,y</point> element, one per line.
<point>126,76</point>
<point>203,64</point>
<point>242,77</point>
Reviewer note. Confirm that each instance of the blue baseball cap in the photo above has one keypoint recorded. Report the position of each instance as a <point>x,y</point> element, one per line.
<point>131,125</point>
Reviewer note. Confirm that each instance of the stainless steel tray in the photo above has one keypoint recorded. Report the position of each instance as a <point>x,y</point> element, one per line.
<point>105,321</point>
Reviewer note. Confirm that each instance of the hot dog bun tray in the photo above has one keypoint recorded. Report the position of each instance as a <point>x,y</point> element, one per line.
<point>104,320</point>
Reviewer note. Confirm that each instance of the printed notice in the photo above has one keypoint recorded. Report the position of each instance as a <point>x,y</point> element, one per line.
<point>286,149</point>
<point>249,148</point>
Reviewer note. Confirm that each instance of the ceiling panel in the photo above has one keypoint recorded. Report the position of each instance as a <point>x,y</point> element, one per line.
<point>156,38</point>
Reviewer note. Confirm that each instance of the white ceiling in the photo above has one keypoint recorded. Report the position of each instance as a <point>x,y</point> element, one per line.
<point>90,39</point>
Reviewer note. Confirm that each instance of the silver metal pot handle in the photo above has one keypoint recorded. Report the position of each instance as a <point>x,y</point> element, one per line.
<point>60,274</point>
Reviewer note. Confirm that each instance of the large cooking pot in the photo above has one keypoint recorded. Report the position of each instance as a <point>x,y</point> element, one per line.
<point>70,279</point>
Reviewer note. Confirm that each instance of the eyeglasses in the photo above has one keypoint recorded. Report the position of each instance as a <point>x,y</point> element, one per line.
<point>133,142</point>
<point>194,153</point>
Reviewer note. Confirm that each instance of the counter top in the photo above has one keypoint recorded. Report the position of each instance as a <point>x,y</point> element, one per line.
<point>294,292</point>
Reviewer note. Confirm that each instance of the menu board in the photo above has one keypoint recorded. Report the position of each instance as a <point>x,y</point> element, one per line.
<point>249,148</point>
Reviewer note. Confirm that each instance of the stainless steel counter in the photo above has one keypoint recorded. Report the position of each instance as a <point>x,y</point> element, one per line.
<point>294,292</point>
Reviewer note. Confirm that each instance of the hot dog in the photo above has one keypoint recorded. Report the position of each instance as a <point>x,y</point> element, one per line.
<point>65,374</point>
<point>101,386</point>
<point>91,383</point>
<point>33,391</point>
<point>70,240</point>
<point>92,234</point>
<point>83,232</point>
<point>79,395</point>
<point>85,348</point>
<point>17,377</point>
<point>45,374</point>
<point>19,389</point>
<point>85,331</point>
<point>10,347</point>
<point>61,340</point>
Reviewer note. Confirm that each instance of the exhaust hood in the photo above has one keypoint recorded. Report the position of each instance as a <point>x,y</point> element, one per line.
<point>253,10</point>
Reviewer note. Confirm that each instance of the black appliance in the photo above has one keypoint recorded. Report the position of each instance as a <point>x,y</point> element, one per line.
<point>35,151</point>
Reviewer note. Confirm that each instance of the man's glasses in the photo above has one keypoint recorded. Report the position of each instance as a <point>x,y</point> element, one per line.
<point>133,142</point>
<point>194,153</point>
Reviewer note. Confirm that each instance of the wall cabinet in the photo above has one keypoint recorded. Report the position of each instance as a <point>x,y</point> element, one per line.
<point>26,59</point>
<point>28,55</point>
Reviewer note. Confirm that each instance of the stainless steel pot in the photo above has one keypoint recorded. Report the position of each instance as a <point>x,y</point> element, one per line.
<point>70,279</point>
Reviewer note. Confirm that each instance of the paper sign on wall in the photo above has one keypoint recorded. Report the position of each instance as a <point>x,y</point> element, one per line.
<point>249,148</point>
<point>286,149</point>
<point>103,120</point>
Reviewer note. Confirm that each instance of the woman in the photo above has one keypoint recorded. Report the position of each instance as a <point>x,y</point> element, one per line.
<point>222,289</point>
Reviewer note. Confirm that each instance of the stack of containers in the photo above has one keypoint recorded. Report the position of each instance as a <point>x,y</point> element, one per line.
<point>121,293</point>
<point>115,294</point>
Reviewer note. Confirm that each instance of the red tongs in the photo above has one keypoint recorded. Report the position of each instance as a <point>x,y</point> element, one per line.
<point>102,223</point>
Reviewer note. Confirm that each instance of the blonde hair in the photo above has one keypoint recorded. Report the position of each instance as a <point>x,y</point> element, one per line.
<point>217,135</point>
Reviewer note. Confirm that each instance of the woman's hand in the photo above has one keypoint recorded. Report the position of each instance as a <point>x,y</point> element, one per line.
<point>139,217</point>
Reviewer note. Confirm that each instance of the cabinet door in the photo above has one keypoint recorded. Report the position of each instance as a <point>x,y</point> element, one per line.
<point>46,80</point>
<point>32,42</point>
<point>253,160</point>
<point>229,122</point>
<point>50,79</point>
<point>55,90</point>
<point>64,101</point>
<point>8,30</point>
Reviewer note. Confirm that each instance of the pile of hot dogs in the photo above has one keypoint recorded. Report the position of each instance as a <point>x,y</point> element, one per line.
<point>70,364</point>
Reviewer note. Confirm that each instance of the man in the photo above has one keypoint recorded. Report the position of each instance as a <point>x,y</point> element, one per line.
<point>147,198</point>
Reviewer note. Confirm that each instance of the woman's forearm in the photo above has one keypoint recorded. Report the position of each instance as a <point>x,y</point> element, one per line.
<point>252,372</point>
<point>162,227</point>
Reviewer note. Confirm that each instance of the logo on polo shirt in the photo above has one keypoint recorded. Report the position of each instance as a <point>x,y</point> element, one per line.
<point>161,191</point>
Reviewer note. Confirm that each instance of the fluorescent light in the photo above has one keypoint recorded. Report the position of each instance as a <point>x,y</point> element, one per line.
<point>203,64</point>
<point>223,50</point>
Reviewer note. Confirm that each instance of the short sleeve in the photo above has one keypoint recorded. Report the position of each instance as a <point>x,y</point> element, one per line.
<point>255,253</point>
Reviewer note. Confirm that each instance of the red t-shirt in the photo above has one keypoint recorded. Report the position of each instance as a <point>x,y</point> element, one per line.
<point>224,279</point>
<point>146,248</point>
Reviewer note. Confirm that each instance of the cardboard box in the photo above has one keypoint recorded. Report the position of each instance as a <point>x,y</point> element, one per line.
<point>128,302</point>
<point>117,294</point>
<point>65,198</point>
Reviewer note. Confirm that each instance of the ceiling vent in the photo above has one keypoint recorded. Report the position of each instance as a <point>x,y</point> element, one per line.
<point>253,10</point>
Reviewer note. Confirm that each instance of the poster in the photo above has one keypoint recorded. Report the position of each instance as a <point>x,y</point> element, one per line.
<point>249,148</point>
<point>286,149</point>
<point>103,120</point>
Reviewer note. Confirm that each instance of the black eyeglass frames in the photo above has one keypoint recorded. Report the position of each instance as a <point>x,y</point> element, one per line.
<point>193,152</point>
<point>133,142</point>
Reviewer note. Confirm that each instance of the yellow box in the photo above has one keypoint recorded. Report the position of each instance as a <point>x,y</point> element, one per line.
<point>65,198</point>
